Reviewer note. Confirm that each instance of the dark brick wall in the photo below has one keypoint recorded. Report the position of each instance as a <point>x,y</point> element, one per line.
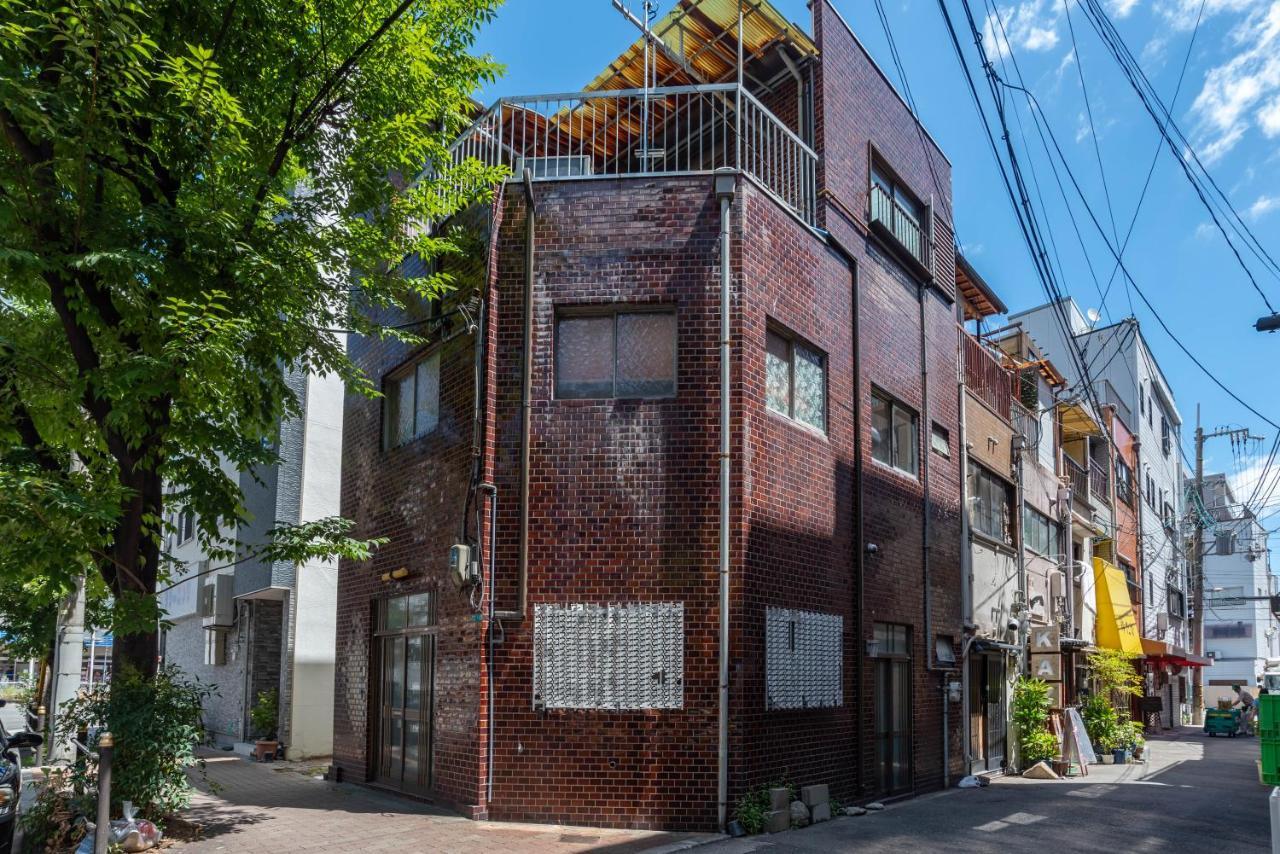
<point>623,501</point>
<point>857,109</point>
<point>414,495</point>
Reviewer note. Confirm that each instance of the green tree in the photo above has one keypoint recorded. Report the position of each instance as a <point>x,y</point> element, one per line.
<point>185,188</point>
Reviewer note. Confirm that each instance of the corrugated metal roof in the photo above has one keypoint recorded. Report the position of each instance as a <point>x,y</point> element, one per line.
<point>701,39</point>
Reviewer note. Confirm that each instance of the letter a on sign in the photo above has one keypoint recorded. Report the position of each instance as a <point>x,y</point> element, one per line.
<point>1047,667</point>
<point>1045,638</point>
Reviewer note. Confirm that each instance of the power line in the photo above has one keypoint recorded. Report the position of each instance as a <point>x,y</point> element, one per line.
<point>1137,78</point>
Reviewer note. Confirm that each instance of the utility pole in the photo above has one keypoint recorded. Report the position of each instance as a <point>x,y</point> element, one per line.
<point>1197,556</point>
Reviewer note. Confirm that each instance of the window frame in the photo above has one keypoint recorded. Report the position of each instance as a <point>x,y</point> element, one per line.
<point>877,393</point>
<point>793,341</point>
<point>1008,537</point>
<point>408,371</point>
<point>613,311</point>
<point>1124,484</point>
<point>936,432</point>
<point>1051,525</point>
<point>186,526</point>
<point>1170,592</point>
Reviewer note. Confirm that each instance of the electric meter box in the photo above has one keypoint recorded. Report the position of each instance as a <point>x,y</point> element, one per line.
<point>460,564</point>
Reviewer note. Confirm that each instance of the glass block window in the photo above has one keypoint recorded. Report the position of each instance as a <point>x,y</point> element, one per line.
<point>803,659</point>
<point>894,434</point>
<point>411,401</point>
<point>795,379</point>
<point>617,657</point>
<point>616,354</point>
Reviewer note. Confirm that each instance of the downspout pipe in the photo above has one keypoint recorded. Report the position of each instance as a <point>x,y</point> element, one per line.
<point>526,399</point>
<point>926,528</point>
<point>492,492</point>
<point>859,548</point>
<point>725,185</point>
<point>966,558</point>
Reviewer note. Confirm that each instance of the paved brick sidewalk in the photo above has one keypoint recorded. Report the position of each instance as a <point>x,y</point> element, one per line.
<point>268,808</point>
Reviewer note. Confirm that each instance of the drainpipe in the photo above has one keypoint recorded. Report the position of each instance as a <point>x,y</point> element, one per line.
<point>926,424</point>
<point>1023,628</point>
<point>493,551</point>
<point>725,184</point>
<point>859,549</point>
<point>526,399</point>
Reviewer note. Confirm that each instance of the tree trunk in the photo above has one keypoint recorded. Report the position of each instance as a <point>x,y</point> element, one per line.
<point>134,568</point>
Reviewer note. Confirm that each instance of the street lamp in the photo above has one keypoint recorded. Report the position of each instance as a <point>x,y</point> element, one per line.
<point>1268,324</point>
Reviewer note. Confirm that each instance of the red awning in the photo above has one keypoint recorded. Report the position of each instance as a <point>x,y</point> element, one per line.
<point>1159,652</point>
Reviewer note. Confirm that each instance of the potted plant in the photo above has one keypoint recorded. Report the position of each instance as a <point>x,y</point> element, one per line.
<point>1100,721</point>
<point>1104,743</point>
<point>265,718</point>
<point>1031,722</point>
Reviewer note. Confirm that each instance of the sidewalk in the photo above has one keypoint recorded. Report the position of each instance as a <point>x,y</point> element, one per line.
<point>275,808</point>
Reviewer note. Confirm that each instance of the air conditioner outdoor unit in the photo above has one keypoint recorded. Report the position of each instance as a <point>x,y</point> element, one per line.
<point>561,166</point>
<point>217,607</point>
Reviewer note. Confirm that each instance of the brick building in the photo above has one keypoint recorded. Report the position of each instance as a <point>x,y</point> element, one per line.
<point>570,438</point>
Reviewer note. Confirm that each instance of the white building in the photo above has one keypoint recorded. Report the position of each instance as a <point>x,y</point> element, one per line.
<point>258,626</point>
<point>1124,373</point>
<point>1240,631</point>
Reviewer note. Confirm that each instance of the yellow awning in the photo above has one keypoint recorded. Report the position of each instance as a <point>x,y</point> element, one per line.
<point>1078,421</point>
<point>1117,621</point>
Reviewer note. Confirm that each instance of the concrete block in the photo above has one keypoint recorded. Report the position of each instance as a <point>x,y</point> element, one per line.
<point>779,799</point>
<point>820,812</point>
<point>777,821</point>
<point>814,795</point>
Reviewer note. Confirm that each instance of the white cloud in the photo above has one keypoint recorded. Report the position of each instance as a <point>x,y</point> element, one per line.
<point>1205,231</point>
<point>1028,26</point>
<point>1233,90</point>
<point>1121,8</point>
<point>1182,14</point>
<point>1082,127</point>
<point>1263,206</point>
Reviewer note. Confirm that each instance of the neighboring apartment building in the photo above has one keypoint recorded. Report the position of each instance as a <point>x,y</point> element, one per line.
<point>1240,630</point>
<point>256,626</point>
<point>586,476</point>
<point>1125,374</point>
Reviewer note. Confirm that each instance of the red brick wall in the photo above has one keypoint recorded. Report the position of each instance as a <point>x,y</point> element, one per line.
<point>623,502</point>
<point>857,108</point>
<point>413,495</point>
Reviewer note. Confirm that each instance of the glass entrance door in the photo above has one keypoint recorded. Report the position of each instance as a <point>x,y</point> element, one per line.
<point>893,707</point>
<point>406,665</point>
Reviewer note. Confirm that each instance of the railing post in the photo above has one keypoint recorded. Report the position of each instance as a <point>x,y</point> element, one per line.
<point>43,749</point>
<point>102,832</point>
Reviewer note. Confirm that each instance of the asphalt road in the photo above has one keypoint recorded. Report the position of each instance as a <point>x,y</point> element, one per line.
<point>1195,794</point>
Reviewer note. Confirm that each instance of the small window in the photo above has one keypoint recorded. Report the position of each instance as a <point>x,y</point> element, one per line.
<point>894,434</point>
<point>186,525</point>
<point>398,613</point>
<point>411,402</point>
<point>619,354</point>
<point>795,380</point>
<point>1040,533</point>
<point>941,440</point>
<point>944,651</point>
<point>1124,481</point>
<point>891,641</point>
<point>990,503</point>
<point>1177,602</point>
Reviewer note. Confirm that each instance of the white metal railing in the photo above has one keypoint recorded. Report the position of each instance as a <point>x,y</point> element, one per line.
<point>901,225</point>
<point>637,132</point>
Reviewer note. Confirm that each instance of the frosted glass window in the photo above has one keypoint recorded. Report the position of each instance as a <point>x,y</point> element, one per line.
<point>795,380</point>
<point>619,354</point>
<point>412,402</point>
<point>646,354</point>
<point>777,373</point>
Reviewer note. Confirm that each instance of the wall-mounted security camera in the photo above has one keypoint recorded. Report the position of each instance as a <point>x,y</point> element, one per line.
<point>872,549</point>
<point>1013,625</point>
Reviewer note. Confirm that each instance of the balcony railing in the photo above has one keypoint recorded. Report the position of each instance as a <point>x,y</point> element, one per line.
<point>1078,477</point>
<point>902,225</point>
<point>985,376</point>
<point>1100,482</point>
<point>1027,425</point>
<point>670,130</point>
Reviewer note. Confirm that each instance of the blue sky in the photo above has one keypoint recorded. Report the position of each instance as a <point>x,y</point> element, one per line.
<point>1229,107</point>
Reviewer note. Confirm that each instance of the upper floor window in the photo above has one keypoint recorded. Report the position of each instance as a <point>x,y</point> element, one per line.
<point>1040,533</point>
<point>895,434</point>
<point>186,525</point>
<point>1177,602</point>
<point>898,211</point>
<point>411,401</point>
<point>616,353</point>
<point>1166,437</point>
<point>1124,481</point>
<point>990,500</point>
<point>795,379</point>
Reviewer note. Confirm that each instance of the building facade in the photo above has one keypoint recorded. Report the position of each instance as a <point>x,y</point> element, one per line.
<point>1241,631</point>
<point>253,626</point>
<point>571,442</point>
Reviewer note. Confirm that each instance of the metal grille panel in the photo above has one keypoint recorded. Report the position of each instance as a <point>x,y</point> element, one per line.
<point>617,657</point>
<point>803,659</point>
